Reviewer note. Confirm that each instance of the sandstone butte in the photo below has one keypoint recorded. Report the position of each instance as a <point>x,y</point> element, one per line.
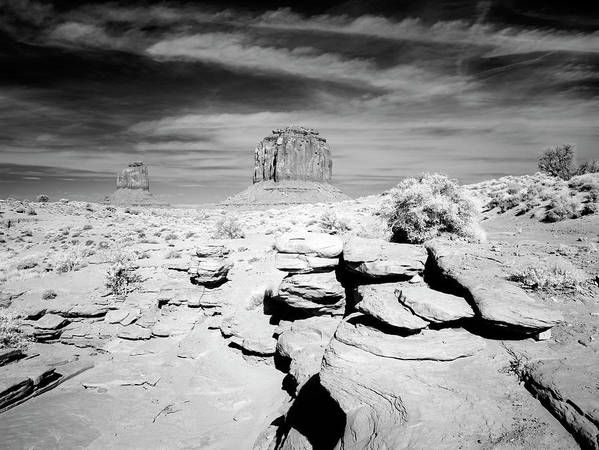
<point>294,165</point>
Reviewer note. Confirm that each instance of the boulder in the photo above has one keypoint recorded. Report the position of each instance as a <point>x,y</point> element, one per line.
<point>378,259</point>
<point>211,251</point>
<point>315,293</point>
<point>293,153</point>
<point>297,263</point>
<point>434,306</point>
<point>317,244</point>
<point>495,299</point>
<point>381,302</point>
<point>210,271</point>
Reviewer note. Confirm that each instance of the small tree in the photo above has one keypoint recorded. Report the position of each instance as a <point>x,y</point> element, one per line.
<point>558,161</point>
<point>591,166</point>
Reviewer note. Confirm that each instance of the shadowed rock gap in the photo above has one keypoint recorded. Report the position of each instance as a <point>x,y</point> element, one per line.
<point>316,416</point>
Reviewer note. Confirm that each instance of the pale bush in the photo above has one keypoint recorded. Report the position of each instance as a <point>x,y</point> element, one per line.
<point>71,260</point>
<point>42,198</point>
<point>552,278</point>
<point>228,227</point>
<point>330,223</point>
<point>11,335</point>
<point>120,275</point>
<point>422,208</point>
<point>562,207</point>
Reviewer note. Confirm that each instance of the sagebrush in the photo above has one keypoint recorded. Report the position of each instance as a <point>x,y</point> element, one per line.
<point>120,275</point>
<point>228,227</point>
<point>422,208</point>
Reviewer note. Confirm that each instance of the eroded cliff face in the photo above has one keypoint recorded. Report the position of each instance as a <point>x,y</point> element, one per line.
<point>293,153</point>
<point>135,176</point>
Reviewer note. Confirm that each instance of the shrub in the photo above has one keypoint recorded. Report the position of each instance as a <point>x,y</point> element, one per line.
<point>555,277</point>
<point>173,254</point>
<point>558,161</point>
<point>562,207</point>
<point>588,167</point>
<point>70,261</point>
<point>49,294</point>
<point>11,335</point>
<point>422,208</point>
<point>330,223</point>
<point>228,228</point>
<point>42,198</point>
<point>120,275</point>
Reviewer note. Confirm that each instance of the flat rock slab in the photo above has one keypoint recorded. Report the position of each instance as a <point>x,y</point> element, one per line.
<point>318,244</point>
<point>375,258</point>
<point>435,345</point>
<point>50,322</point>
<point>380,301</point>
<point>298,263</point>
<point>495,299</point>
<point>434,306</point>
<point>115,316</point>
<point>568,387</point>
<point>135,333</point>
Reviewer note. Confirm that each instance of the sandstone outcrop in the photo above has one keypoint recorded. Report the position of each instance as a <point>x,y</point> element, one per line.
<point>380,301</point>
<point>378,259</point>
<point>434,306</point>
<point>292,166</point>
<point>318,244</point>
<point>133,187</point>
<point>293,153</point>
<point>134,176</point>
<point>313,293</point>
<point>495,299</point>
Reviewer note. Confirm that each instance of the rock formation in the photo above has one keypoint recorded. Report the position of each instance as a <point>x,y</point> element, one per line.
<point>293,153</point>
<point>291,166</point>
<point>133,187</point>
<point>135,176</point>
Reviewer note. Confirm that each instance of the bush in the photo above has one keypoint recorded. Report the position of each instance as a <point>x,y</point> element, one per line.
<point>120,275</point>
<point>11,336</point>
<point>558,161</point>
<point>420,209</point>
<point>588,167</point>
<point>562,207</point>
<point>42,198</point>
<point>49,294</point>
<point>228,228</point>
<point>70,261</point>
<point>555,278</point>
<point>330,223</point>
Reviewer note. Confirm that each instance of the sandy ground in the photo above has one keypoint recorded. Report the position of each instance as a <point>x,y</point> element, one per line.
<point>145,393</point>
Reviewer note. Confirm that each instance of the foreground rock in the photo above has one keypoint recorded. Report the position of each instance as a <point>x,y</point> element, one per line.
<point>303,344</point>
<point>496,300</point>
<point>441,345</point>
<point>314,293</point>
<point>315,244</point>
<point>378,259</point>
<point>380,301</point>
<point>563,386</point>
<point>434,306</point>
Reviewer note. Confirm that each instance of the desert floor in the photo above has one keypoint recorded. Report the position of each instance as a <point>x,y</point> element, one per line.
<point>163,369</point>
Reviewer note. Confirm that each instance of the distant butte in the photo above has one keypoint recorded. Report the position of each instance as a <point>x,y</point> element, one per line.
<point>133,187</point>
<point>293,165</point>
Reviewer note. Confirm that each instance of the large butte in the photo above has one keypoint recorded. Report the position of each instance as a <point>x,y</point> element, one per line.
<point>291,166</point>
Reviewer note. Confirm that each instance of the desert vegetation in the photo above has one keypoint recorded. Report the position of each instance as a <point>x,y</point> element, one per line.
<point>418,209</point>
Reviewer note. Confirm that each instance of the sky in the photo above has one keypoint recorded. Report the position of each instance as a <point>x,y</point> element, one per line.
<point>473,89</point>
